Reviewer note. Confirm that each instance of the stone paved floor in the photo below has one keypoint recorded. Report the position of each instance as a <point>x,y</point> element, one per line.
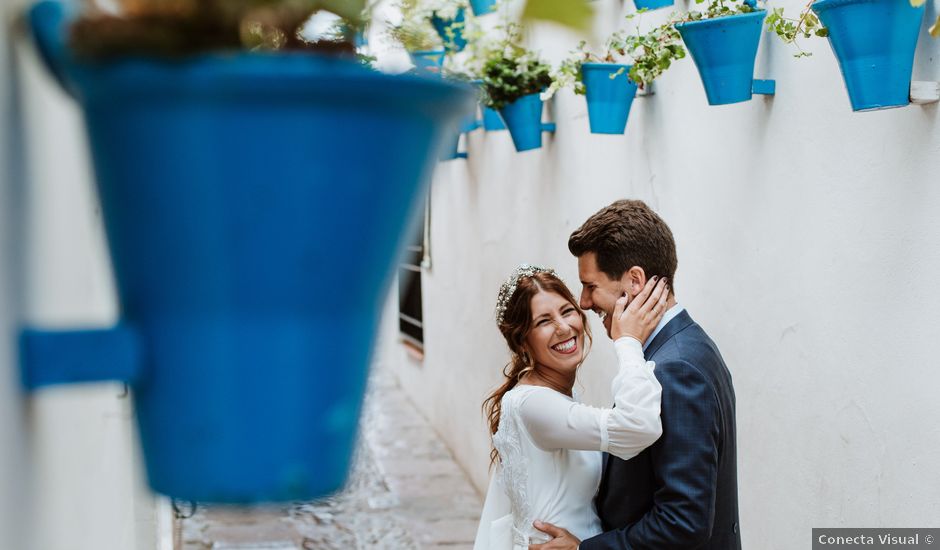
<point>405,492</point>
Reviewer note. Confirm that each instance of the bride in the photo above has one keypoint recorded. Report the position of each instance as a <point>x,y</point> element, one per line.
<point>548,446</point>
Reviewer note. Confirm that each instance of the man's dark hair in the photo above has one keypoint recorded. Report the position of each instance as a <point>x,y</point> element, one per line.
<point>625,234</point>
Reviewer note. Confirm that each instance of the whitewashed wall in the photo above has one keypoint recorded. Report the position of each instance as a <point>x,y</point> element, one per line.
<point>809,246</point>
<point>70,474</point>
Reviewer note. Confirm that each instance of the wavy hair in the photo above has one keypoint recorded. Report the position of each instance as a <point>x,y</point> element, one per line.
<point>515,327</point>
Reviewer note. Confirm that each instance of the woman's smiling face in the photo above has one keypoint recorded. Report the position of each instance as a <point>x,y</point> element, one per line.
<point>556,339</point>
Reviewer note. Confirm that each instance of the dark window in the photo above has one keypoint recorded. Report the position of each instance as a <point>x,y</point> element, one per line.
<point>410,318</point>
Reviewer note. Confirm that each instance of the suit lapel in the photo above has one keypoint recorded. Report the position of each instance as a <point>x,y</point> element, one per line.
<point>673,327</point>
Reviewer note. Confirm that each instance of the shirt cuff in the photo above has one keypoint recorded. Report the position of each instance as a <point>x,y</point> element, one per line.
<point>628,347</point>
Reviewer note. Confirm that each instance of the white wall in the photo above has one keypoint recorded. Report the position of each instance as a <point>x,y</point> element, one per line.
<point>70,472</point>
<point>808,242</point>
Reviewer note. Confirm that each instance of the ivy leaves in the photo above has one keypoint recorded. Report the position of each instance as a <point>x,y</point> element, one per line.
<point>653,53</point>
<point>789,30</point>
<point>717,8</point>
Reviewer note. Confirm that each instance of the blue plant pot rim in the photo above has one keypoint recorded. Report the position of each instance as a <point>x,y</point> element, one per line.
<point>726,20</point>
<point>829,4</point>
<point>606,67</point>
<point>441,51</point>
<point>248,75</point>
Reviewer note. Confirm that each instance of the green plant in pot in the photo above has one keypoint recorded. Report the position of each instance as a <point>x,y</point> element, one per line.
<point>225,149</point>
<point>416,34</point>
<point>514,78</point>
<point>449,19</point>
<point>609,77</point>
<point>723,39</point>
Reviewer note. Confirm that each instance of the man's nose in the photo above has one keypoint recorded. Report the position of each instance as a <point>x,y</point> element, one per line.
<point>585,301</point>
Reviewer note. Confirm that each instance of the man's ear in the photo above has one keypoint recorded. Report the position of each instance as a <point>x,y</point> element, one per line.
<point>633,280</point>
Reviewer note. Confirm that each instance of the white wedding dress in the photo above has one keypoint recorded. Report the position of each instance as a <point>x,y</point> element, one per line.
<point>550,453</point>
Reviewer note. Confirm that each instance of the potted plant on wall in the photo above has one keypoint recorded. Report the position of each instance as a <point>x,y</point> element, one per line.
<point>480,44</point>
<point>874,42</point>
<point>723,40</point>
<point>513,81</point>
<point>449,19</point>
<point>609,85</point>
<point>235,200</point>
<point>416,34</point>
<point>469,122</point>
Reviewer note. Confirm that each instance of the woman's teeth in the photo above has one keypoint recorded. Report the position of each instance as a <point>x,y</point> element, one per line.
<point>565,346</point>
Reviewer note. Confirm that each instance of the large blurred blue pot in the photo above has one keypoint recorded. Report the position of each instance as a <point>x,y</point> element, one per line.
<point>254,208</point>
<point>456,25</point>
<point>608,99</point>
<point>523,119</point>
<point>724,49</point>
<point>482,7</point>
<point>874,41</point>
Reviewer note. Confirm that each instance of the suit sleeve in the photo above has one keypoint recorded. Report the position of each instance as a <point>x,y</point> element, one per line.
<point>685,467</point>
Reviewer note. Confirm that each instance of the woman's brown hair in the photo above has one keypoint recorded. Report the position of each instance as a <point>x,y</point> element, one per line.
<point>516,321</point>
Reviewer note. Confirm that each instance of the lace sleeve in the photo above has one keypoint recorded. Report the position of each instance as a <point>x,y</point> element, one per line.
<point>554,421</point>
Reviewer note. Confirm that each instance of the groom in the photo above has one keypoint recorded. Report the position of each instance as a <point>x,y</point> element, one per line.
<point>682,492</point>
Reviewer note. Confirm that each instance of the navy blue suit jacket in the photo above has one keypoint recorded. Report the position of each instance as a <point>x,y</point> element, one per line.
<point>682,492</point>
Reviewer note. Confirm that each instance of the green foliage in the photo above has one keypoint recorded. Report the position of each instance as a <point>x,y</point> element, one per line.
<point>653,53</point>
<point>416,34</point>
<point>649,55</point>
<point>450,34</point>
<point>577,14</point>
<point>715,8</point>
<point>510,71</point>
<point>445,9</point>
<point>789,30</point>
<point>187,27</point>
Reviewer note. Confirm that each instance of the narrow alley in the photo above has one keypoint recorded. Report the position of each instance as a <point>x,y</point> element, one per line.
<point>405,492</point>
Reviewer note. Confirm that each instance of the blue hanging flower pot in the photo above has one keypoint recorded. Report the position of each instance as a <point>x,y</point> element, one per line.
<point>467,125</point>
<point>652,4</point>
<point>428,62</point>
<point>490,119</point>
<point>482,7</point>
<point>492,122</point>
<point>451,30</point>
<point>609,96</point>
<point>523,119</point>
<point>724,50</point>
<point>874,41</point>
<point>254,206</point>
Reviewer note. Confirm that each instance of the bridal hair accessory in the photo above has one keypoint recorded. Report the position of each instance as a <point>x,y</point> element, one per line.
<point>509,287</point>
